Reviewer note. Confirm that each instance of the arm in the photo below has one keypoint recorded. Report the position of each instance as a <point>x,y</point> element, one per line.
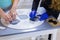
<point>4,16</point>
<point>1,12</point>
<point>35,4</point>
<point>12,12</point>
<point>34,9</point>
<point>14,4</point>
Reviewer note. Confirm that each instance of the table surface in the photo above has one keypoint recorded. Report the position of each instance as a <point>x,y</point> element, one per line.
<point>10,31</point>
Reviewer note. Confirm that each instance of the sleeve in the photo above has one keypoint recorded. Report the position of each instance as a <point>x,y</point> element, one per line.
<point>35,4</point>
<point>45,4</point>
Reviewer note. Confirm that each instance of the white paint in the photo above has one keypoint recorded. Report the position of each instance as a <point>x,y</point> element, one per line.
<point>23,24</point>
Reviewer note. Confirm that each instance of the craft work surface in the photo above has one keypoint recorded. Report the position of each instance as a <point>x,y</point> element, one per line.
<point>22,21</point>
<point>9,31</point>
<point>13,31</point>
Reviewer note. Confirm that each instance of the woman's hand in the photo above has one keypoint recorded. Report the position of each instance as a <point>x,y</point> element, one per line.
<point>13,14</point>
<point>7,17</point>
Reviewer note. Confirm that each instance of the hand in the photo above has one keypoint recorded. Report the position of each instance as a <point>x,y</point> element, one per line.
<point>13,14</point>
<point>32,15</point>
<point>7,17</point>
<point>43,17</point>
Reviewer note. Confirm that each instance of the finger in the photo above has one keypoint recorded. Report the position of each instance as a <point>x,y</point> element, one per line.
<point>7,22</point>
<point>6,18</point>
<point>14,16</point>
<point>9,17</point>
<point>11,14</point>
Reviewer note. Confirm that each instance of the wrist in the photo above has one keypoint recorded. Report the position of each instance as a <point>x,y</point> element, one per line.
<point>2,14</point>
<point>13,10</point>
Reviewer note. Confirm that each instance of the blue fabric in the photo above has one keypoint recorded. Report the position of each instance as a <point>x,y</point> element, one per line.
<point>5,3</point>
